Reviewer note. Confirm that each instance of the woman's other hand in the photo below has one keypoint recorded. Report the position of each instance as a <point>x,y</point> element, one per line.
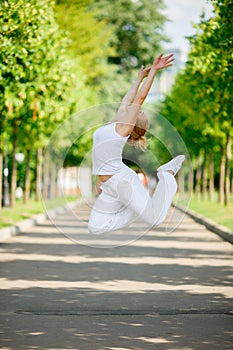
<point>143,72</point>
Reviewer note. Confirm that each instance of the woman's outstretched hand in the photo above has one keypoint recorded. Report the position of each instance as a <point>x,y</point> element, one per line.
<point>163,62</point>
<point>143,72</point>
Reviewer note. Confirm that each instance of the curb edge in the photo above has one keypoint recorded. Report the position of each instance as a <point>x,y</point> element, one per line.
<point>9,231</point>
<point>222,231</point>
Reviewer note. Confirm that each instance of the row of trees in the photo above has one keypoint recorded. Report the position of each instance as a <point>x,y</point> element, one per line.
<point>200,104</point>
<point>35,96</point>
<point>57,58</point>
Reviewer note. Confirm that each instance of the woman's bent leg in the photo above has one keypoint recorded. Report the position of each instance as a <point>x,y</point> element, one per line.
<point>108,214</point>
<point>163,196</point>
<point>152,210</point>
<point>123,197</point>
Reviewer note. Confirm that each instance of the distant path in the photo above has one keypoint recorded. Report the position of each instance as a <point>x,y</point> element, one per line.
<point>162,291</point>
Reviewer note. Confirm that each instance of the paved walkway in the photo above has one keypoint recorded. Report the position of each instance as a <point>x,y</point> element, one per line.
<point>162,291</point>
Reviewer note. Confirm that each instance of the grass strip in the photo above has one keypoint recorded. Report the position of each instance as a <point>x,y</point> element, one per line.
<point>219,213</point>
<point>10,216</point>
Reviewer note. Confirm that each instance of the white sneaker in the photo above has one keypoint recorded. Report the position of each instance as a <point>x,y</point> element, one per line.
<point>173,165</point>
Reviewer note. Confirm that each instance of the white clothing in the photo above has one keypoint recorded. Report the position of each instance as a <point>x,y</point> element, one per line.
<point>107,150</point>
<point>123,197</point>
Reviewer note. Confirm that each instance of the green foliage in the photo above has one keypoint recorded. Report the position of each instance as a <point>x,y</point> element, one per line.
<point>40,84</point>
<point>88,37</point>
<point>137,29</point>
<point>111,38</point>
<point>29,50</point>
<point>200,103</point>
<point>210,64</point>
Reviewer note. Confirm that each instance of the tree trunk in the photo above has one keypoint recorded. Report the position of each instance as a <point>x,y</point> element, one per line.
<point>221,177</point>
<point>211,179</point>
<point>232,182</point>
<point>53,180</point>
<point>14,167</point>
<point>38,173</point>
<point>198,179</point>
<point>1,180</point>
<point>1,163</point>
<point>190,182</point>
<point>204,179</point>
<point>6,194</point>
<point>56,184</point>
<point>181,181</point>
<point>227,171</point>
<point>26,193</point>
<point>59,181</point>
<point>46,177</point>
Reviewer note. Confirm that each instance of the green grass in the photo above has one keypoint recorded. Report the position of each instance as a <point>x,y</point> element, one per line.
<point>221,214</point>
<point>10,216</point>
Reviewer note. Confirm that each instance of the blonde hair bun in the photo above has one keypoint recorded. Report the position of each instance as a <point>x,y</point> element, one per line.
<point>137,137</point>
<point>140,143</point>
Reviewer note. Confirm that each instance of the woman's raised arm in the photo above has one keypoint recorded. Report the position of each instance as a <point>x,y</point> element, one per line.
<point>133,100</point>
<point>131,94</point>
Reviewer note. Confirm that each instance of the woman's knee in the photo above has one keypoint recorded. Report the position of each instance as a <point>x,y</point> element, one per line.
<point>97,226</point>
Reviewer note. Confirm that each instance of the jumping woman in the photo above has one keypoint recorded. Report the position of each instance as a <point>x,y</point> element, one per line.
<point>122,196</point>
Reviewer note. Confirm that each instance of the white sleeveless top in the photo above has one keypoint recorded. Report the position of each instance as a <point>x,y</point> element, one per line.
<point>107,150</point>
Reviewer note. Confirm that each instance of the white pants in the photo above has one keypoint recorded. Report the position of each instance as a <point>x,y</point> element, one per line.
<point>124,197</point>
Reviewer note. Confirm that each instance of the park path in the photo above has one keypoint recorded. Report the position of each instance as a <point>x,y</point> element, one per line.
<point>162,291</point>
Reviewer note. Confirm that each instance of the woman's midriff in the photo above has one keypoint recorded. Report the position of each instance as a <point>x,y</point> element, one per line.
<point>104,178</point>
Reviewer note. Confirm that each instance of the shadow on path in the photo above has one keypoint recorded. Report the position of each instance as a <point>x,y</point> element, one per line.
<point>163,291</point>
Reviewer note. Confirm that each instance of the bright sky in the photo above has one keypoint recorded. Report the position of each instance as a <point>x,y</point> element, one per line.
<point>182,13</point>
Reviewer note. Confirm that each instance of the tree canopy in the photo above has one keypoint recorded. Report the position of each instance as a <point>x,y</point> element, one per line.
<point>137,29</point>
